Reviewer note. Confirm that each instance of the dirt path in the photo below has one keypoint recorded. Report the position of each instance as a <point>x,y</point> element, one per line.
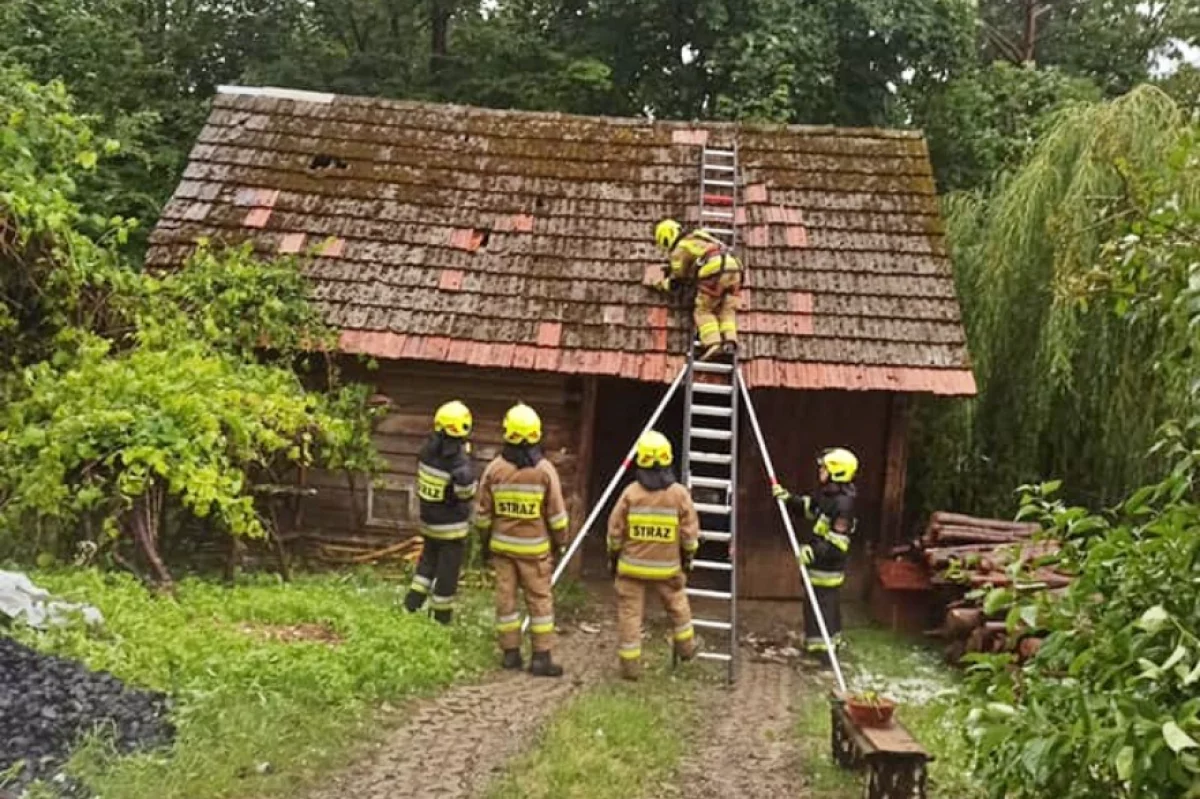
<point>454,744</point>
<point>748,748</point>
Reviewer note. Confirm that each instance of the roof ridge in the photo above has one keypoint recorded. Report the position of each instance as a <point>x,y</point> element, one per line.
<point>712,125</point>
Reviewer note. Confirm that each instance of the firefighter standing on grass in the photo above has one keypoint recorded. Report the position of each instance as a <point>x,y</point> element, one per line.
<point>702,259</point>
<point>445,488</point>
<point>827,549</point>
<point>522,518</point>
<point>653,533</point>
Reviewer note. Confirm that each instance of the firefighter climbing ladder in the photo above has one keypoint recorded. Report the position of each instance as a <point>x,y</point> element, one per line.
<point>708,465</point>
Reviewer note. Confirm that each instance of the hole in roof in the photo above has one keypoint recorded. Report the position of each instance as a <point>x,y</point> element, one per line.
<point>327,161</point>
<point>483,236</point>
<point>539,203</point>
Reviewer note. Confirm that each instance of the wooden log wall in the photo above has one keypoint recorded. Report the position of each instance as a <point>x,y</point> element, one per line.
<point>415,389</point>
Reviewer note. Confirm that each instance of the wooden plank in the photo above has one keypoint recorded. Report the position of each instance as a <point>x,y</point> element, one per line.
<point>895,739</point>
<point>891,516</point>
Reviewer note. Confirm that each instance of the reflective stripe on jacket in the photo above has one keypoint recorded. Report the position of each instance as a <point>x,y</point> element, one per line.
<point>522,508</point>
<point>651,528</point>
<point>834,521</point>
<point>445,487</point>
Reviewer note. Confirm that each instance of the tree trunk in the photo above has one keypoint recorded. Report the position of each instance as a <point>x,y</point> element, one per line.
<point>439,26</point>
<point>144,522</point>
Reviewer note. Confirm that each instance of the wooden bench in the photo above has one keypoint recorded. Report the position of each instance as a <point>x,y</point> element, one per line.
<point>895,762</point>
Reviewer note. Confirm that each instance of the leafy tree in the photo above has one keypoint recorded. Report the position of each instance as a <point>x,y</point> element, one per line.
<point>989,118</point>
<point>1111,42</point>
<point>131,396</point>
<point>1065,387</point>
<point>1110,704</point>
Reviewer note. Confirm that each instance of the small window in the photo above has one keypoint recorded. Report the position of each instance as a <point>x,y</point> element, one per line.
<point>323,161</point>
<point>391,504</point>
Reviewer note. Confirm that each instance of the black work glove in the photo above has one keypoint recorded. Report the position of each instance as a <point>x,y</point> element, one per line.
<point>613,558</point>
<point>485,549</point>
<point>688,557</point>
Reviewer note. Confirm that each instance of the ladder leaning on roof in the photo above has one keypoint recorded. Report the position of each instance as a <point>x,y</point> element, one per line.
<point>708,466</point>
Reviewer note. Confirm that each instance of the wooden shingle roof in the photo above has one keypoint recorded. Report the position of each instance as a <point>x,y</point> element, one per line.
<point>502,238</point>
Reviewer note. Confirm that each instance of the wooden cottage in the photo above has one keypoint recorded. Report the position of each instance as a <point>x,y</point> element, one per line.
<point>493,256</point>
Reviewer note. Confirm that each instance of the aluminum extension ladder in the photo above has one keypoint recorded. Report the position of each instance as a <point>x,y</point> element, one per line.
<point>710,428</point>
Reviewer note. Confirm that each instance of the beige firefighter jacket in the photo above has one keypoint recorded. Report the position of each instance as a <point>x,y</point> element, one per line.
<point>521,508</point>
<point>650,528</point>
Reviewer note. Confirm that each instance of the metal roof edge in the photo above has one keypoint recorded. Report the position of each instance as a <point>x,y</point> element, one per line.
<point>278,93</point>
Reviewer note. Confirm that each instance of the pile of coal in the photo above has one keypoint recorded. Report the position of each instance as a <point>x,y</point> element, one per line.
<point>49,704</point>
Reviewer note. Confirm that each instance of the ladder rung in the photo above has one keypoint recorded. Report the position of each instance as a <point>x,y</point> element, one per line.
<point>709,457</point>
<point>719,167</point>
<point>718,152</point>
<point>720,231</point>
<point>724,657</point>
<point>707,624</point>
<point>707,594</point>
<point>715,510</point>
<point>724,183</point>
<point>709,366</point>
<point>712,435</point>
<point>709,482</point>
<point>713,535</point>
<point>711,410</point>
<point>718,214</point>
<point>713,388</point>
<point>713,565</point>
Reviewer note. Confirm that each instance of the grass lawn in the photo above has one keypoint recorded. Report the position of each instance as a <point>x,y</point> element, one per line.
<point>616,741</point>
<point>258,716</point>
<point>929,706</point>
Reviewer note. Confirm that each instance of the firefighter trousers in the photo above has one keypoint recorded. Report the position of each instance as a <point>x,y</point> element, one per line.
<point>532,577</point>
<point>631,605</point>
<point>829,600</point>
<point>716,308</point>
<point>437,577</point>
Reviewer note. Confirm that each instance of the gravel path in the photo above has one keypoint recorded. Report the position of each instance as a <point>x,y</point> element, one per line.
<point>453,745</point>
<point>749,748</point>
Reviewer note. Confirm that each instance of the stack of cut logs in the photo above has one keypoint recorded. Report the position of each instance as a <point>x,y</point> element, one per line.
<point>961,553</point>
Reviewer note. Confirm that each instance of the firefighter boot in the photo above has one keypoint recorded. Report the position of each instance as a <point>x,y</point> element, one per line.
<point>542,666</point>
<point>512,659</point>
<point>414,601</point>
<point>443,615</point>
<point>711,351</point>
<point>631,669</point>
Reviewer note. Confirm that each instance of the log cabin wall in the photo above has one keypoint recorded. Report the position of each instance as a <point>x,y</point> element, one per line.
<point>388,512</point>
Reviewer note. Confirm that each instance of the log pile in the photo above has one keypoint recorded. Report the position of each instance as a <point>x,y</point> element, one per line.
<point>956,557</point>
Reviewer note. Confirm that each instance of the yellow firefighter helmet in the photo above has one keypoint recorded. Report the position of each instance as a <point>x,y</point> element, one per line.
<point>842,464</point>
<point>522,425</point>
<point>666,233</point>
<point>653,449</point>
<point>453,419</point>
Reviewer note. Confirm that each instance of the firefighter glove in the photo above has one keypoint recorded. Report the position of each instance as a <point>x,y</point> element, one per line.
<point>779,492</point>
<point>613,558</point>
<point>806,555</point>
<point>665,285</point>
<point>687,561</point>
<point>485,549</point>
